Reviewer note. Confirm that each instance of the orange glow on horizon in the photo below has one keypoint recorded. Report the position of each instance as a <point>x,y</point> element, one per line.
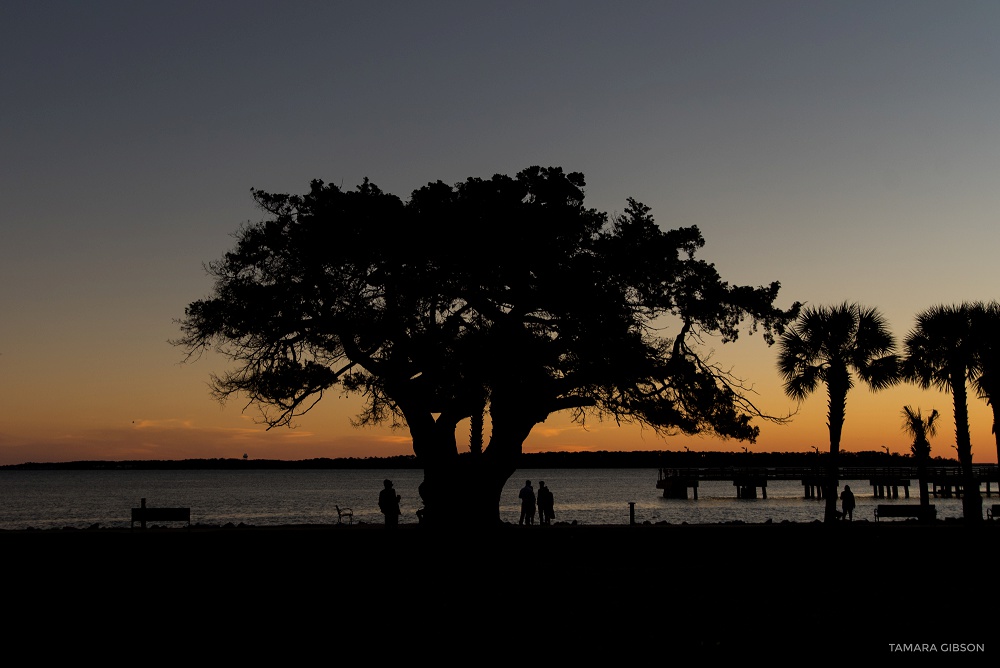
<point>873,422</point>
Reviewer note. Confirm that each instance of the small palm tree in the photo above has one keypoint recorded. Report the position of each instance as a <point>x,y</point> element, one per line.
<point>941,353</point>
<point>921,429</point>
<point>830,345</point>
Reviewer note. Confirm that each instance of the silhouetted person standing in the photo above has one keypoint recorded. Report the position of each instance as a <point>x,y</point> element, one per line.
<point>388,503</point>
<point>847,502</point>
<point>527,496</point>
<point>546,503</point>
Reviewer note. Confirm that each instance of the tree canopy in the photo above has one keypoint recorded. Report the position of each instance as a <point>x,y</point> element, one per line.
<point>505,294</point>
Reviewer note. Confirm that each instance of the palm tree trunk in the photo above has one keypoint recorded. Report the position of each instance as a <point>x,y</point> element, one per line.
<point>925,497</point>
<point>996,434</point>
<point>476,427</point>
<point>837,392</point>
<point>972,502</point>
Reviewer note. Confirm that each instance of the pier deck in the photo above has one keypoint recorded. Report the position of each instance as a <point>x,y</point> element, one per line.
<point>885,481</point>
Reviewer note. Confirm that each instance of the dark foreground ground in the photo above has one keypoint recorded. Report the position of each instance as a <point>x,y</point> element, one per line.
<point>784,594</point>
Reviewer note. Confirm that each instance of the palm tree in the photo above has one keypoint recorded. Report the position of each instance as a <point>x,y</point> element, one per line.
<point>921,429</point>
<point>829,345</point>
<point>986,330</point>
<point>941,353</point>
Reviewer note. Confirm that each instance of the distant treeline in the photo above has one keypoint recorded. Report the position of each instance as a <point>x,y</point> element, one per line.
<point>602,459</point>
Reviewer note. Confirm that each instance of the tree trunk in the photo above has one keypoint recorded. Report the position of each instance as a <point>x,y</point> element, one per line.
<point>996,433</point>
<point>922,455</point>
<point>925,498</point>
<point>836,385</point>
<point>462,491</point>
<point>437,453</point>
<point>502,455</point>
<point>465,491</point>
<point>972,502</point>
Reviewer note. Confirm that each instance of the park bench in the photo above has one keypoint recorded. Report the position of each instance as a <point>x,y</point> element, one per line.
<point>905,510</point>
<point>144,514</point>
<point>992,511</point>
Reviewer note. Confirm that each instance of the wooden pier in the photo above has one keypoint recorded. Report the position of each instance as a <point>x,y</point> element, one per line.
<point>886,482</point>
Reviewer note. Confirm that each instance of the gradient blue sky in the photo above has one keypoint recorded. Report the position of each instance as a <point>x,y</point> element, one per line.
<point>848,149</point>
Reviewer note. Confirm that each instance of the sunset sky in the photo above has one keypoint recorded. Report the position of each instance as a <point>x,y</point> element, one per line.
<point>849,150</point>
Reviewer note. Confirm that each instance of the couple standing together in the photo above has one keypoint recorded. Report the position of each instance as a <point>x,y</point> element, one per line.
<point>545,504</point>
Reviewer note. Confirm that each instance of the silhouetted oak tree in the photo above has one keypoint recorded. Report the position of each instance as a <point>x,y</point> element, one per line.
<point>503,295</point>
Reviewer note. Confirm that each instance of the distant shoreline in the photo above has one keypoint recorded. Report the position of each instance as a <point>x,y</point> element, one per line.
<point>602,459</point>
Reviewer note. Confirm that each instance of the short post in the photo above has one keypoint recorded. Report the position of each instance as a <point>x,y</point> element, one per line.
<point>631,513</point>
<point>142,522</point>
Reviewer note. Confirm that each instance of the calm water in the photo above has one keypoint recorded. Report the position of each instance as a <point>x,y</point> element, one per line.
<point>50,499</point>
